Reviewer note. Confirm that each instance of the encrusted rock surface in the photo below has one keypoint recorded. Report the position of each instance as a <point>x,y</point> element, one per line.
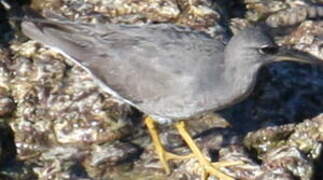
<point>58,124</point>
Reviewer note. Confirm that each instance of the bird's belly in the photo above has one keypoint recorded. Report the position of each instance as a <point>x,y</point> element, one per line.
<point>173,108</point>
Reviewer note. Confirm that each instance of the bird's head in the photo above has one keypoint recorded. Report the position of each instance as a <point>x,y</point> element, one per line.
<point>254,47</point>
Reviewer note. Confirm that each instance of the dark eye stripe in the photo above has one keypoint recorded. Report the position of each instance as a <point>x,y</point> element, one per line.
<point>269,50</point>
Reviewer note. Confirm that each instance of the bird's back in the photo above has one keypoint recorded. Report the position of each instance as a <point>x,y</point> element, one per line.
<point>163,70</point>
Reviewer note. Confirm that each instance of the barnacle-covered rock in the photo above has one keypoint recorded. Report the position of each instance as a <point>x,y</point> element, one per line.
<point>282,13</point>
<point>58,105</point>
<point>306,37</point>
<point>7,105</point>
<point>109,157</point>
<point>291,148</point>
<point>199,14</point>
<point>295,15</point>
<point>66,127</point>
<point>290,159</point>
<point>260,9</point>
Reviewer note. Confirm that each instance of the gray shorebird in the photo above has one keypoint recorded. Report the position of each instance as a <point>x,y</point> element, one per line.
<point>168,72</point>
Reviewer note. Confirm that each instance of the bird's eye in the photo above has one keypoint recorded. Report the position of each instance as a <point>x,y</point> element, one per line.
<point>268,50</point>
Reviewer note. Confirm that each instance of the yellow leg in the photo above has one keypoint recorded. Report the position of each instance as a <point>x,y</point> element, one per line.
<point>209,168</point>
<point>164,156</point>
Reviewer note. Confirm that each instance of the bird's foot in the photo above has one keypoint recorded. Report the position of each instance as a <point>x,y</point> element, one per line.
<point>213,169</point>
<point>164,156</point>
<point>208,167</point>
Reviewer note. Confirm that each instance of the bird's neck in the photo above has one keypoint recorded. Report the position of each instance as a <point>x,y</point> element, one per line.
<point>241,80</point>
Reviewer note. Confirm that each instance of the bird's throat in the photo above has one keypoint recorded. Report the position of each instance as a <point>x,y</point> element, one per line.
<point>241,80</point>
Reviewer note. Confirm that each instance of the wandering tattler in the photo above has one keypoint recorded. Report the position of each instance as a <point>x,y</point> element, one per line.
<point>169,72</point>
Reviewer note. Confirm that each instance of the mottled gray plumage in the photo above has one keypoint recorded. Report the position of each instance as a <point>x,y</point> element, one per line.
<point>164,70</point>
